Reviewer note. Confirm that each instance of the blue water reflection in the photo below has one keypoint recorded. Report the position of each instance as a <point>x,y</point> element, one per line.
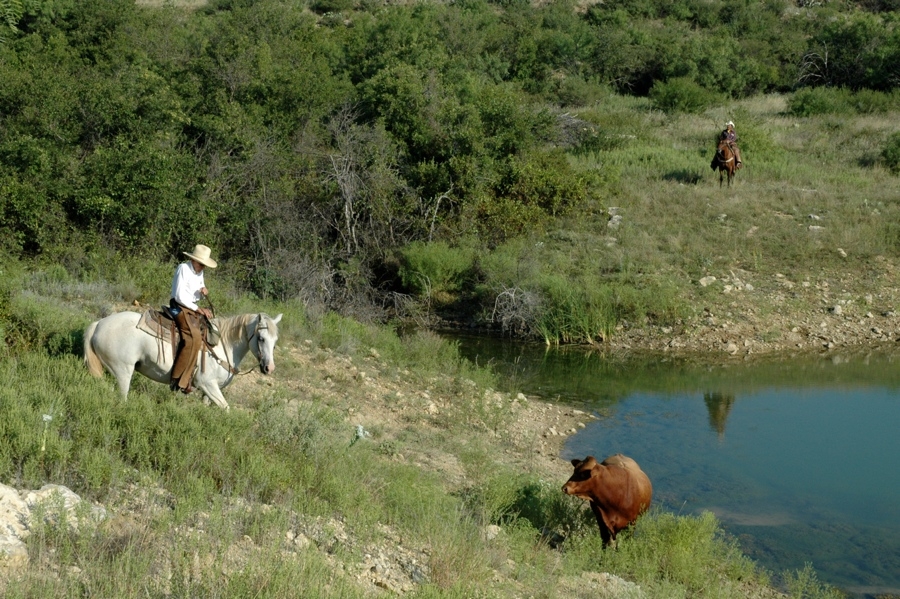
<point>798,458</point>
<point>800,477</point>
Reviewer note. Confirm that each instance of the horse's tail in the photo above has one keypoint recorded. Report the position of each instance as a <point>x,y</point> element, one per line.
<point>91,360</point>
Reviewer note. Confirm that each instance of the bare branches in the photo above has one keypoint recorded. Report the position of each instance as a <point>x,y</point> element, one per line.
<point>370,209</point>
<point>814,67</point>
<point>516,311</point>
<point>437,207</point>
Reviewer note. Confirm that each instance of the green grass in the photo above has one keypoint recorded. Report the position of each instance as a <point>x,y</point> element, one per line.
<point>812,186</point>
<point>188,485</point>
<point>199,499</point>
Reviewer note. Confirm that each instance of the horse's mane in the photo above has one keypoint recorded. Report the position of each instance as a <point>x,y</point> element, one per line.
<point>233,328</point>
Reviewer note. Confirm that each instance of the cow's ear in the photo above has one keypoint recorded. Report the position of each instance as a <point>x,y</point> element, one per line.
<point>575,462</point>
<point>590,462</point>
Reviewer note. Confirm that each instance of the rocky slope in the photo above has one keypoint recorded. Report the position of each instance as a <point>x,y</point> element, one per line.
<point>742,314</point>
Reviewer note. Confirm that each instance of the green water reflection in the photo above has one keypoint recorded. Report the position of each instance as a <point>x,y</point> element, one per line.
<point>797,456</point>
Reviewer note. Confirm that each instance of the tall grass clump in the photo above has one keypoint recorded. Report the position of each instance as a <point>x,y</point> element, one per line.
<point>891,153</point>
<point>571,314</point>
<point>812,101</point>
<point>805,584</point>
<point>673,556</point>
<point>588,309</point>
<point>435,270</point>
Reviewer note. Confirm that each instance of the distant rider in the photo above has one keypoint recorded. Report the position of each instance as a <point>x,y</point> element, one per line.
<point>728,135</point>
<point>188,288</point>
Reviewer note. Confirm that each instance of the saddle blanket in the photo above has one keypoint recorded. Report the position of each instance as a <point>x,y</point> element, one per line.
<point>153,322</point>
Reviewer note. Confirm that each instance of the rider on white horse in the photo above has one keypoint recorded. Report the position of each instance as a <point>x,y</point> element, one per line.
<point>188,288</point>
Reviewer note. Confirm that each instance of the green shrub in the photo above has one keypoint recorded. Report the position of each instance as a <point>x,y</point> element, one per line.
<point>682,94</point>
<point>891,153</point>
<point>435,270</point>
<point>867,101</point>
<point>683,547</point>
<point>334,6</point>
<point>811,101</point>
<point>805,584</point>
<point>574,91</point>
<point>39,323</point>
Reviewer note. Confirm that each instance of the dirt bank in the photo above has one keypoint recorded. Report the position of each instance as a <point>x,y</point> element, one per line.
<point>742,314</point>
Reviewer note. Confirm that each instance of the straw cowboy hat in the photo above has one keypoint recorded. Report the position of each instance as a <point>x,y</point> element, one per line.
<point>201,254</point>
<point>729,124</point>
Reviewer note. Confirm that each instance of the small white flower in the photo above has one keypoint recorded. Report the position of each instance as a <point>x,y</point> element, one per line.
<point>47,417</point>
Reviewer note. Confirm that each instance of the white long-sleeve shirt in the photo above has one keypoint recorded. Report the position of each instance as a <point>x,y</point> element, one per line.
<point>186,285</point>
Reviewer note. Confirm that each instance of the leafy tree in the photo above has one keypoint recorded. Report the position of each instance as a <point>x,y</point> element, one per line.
<point>10,13</point>
<point>861,50</point>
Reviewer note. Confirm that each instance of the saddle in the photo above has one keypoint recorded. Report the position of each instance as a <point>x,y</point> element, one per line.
<point>161,324</point>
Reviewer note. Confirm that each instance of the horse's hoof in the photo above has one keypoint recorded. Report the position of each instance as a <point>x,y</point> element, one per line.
<point>187,390</point>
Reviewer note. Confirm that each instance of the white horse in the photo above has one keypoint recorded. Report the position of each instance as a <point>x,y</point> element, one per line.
<point>117,343</point>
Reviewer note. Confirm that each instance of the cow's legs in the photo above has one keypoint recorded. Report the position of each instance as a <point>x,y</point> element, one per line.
<point>609,539</point>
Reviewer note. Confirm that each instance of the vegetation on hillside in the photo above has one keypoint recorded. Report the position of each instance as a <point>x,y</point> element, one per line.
<point>331,151</point>
<point>283,493</point>
<point>543,168</point>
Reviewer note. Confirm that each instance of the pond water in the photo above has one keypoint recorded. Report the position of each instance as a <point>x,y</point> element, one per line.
<point>798,458</point>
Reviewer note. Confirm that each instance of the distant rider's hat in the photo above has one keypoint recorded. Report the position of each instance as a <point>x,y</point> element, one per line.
<point>729,124</point>
<point>201,254</point>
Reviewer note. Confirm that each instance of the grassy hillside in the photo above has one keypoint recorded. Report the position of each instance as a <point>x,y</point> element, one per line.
<point>814,204</point>
<point>451,489</point>
<point>542,169</point>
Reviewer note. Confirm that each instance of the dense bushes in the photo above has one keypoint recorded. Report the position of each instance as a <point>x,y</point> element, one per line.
<point>681,94</point>
<point>307,149</point>
<point>830,100</point>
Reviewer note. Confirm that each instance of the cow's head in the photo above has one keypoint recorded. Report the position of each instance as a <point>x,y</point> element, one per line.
<point>579,484</point>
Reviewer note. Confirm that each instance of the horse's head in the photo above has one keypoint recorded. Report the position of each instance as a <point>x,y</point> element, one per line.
<point>263,334</point>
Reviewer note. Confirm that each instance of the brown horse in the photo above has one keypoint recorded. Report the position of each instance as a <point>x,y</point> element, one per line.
<point>725,162</point>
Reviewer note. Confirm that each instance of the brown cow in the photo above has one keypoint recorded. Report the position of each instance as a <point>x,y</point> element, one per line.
<point>618,490</point>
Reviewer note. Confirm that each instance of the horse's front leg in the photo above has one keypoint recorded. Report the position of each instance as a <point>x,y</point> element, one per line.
<point>208,384</point>
<point>213,392</point>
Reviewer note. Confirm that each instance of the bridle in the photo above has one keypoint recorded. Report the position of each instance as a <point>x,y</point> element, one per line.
<point>226,363</point>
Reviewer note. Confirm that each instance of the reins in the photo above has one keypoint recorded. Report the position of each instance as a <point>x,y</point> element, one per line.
<point>226,363</point>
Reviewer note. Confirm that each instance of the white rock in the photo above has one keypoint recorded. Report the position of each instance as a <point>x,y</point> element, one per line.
<point>491,532</point>
<point>13,513</point>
